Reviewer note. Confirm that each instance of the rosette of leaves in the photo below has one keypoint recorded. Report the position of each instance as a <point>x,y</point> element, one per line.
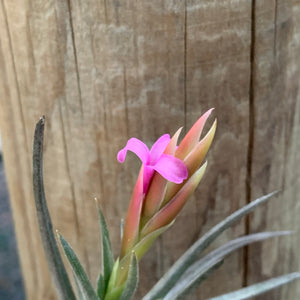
<point>188,272</point>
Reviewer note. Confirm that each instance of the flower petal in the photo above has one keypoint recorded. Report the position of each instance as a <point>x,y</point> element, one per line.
<point>158,148</point>
<point>136,146</point>
<point>171,168</point>
<point>148,173</point>
<point>157,188</point>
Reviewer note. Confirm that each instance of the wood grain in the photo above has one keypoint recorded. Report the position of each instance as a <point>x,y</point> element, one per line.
<point>104,71</point>
<point>275,138</point>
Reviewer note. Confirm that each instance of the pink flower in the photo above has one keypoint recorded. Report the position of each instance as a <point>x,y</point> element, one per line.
<point>168,176</point>
<point>171,168</point>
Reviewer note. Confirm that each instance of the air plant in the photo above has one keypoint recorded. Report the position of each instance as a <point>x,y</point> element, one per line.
<point>168,176</point>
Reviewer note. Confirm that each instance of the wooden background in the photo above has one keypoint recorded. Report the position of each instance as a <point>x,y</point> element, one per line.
<point>104,71</point>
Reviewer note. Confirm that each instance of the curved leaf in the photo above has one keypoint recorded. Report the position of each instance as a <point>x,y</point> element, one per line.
<point>259,288</point>
<point>132,279</point>
<point>107,255</point>
<point>186,260</point>
<point>209,261</point>
<point>78,287</point>
<point>55,263</point>
<point>82,279</point>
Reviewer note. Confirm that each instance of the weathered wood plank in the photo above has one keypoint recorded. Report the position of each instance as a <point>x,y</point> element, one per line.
<point>276,135</point>
<point>103,71</point>
<point>18,166</point>
<point>217,75</point>
<point>136,67</point>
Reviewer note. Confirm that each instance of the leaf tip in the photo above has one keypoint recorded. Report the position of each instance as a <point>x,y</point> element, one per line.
<point>41,121</point>
<point>96,202</point>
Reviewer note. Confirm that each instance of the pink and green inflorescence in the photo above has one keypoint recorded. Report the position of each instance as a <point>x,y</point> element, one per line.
<point>168,176</point>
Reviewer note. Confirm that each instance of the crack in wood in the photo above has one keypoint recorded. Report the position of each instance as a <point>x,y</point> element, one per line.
<point>251,137</point>
<point>275,28</point>
<point>125,101</point>
<point>75,57</point>
<point>185,66</point>
<point>105,12</point>
<point>76,215</point>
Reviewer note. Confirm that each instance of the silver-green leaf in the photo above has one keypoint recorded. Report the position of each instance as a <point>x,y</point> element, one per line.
<point>107,255</point>
<point>132,279</point>
<point>101,287</point>
<point>78,288</point>
<point>82,279</point>
<point>55,263</point>
<point>209,261</point>
<point>259,288</point>
<point>190,256</point>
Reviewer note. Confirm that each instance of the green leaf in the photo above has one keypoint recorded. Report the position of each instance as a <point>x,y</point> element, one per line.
<point>209,261</point>
<point>113,277</point>
<point>79,290</point>
<point>115,293</point>
<point>100,287</point>
<point>259,288</point>
<point>107,255</point>
<point>55,263</point>
<point>83,281</point>
<point>186,260</point>
<point>132,279</point>
<point>202,278</point>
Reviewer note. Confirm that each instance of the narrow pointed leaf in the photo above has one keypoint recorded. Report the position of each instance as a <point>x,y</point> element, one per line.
<point>55,263</point>
<point>214,266</point>
<point>106,251</point>
<point>101,287</point>
<point>80,294</point>
<point>113,277</point>
<point>259,288</point>
<point>83,281</point>
<point>132,279</point>
<point>115,293</point>
<point>185,261</point>
<point>209,261</point>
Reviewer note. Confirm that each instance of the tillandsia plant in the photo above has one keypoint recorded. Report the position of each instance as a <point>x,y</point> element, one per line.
<point>168,176</point>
